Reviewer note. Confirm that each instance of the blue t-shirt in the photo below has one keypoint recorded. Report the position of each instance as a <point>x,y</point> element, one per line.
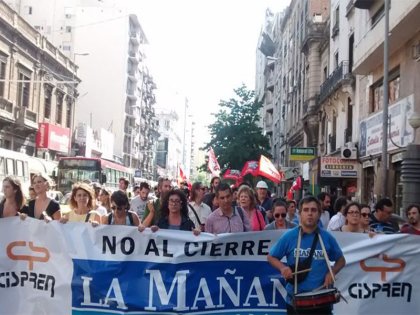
<point>286,247</point>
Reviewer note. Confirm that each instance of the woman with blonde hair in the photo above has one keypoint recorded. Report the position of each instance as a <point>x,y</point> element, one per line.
<point>43,207</point>
<point>248,202</point>
<point>81,204</point>
<point>14,201</point>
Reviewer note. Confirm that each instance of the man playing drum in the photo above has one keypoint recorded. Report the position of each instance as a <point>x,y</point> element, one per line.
<point>309,239</point>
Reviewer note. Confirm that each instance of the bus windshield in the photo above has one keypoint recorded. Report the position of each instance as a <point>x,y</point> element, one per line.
<point>72,171</point>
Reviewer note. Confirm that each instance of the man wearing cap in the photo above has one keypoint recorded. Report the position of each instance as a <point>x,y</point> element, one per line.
<point>264,199</point>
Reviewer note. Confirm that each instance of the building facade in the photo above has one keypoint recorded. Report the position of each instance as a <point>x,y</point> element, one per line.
<point>117,90</point>
<point>403,90</point>
<point>37,90</point>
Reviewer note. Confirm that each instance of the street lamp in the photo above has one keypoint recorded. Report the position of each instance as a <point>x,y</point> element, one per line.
<point>414,121</point>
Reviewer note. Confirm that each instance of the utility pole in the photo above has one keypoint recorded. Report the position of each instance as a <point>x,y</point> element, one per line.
<point>384,159</point>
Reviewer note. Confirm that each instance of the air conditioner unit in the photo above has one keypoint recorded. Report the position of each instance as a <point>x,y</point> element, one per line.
<point>349,151</point>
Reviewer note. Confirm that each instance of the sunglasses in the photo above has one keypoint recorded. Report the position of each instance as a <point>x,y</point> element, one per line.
<point>175,201</point>
<point>277,215</point>
<point>118,208</point>
<point>364,214</point>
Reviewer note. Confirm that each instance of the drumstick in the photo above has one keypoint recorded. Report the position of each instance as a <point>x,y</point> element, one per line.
<point>301,271</point>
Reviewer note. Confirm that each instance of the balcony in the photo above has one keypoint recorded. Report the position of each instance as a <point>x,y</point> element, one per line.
<point>26,118</point>
<point>369,51</point>
<point>6,110</point>
<point>363,4</point>
<point>314,31</point>
<point>340,76</point>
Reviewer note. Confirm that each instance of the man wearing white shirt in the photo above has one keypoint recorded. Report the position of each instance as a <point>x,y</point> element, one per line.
<point>325,200</point>
<point>338,220</point>
<point>198,210</point>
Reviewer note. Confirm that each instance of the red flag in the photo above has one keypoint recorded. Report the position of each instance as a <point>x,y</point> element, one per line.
<point>268,170</point>
<point>181,175</point>
<point>250,167</point>
<point>213,165</point>
<point>232,174</point>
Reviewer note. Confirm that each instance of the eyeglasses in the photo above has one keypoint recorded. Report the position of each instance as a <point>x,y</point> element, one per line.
<point>364,214</point>
<point>175,201</point>
<point>353,213</point>
<point>277,215</point>
<point>118,208</point>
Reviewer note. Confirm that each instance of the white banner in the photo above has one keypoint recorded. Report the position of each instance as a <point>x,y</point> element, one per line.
<point>77,269</point>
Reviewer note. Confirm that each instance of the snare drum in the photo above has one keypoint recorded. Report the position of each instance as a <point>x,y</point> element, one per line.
<point>317,299</point>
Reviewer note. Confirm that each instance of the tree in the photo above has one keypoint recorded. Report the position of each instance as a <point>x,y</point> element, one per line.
<point>235,135</point>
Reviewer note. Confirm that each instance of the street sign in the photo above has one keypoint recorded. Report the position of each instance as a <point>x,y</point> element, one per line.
<point>302,154</point>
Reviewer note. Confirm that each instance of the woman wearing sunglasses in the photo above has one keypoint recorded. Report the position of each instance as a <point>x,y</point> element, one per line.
<point>120,213</point>
<point>279,214</point>
<point>365,214</point>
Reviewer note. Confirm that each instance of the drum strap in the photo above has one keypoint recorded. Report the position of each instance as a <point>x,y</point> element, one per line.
<point>327,260</point>
<point>311,253</point>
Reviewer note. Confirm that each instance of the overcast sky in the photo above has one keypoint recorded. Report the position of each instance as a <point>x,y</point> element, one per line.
<point>202,49</point>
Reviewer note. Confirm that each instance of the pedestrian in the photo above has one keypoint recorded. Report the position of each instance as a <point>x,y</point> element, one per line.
<point>338,220</point>
<point>13,202</point>
<point>264,200</point>
<point>352,213</point>
<point>138,203</point>
<point>312,248</point>
<point>151,214</point>
<point>120,215</point>
<point>379,221</point>
<point>364,217</point>
<point>413,214</point>
<point>226,219</point>
<point>248,202</point>
<point>209,197</point>
<point>280,217</point>
<point>198,210</point>
<point>325,200</point>
<point>292,216</point>
<point>43,207</point>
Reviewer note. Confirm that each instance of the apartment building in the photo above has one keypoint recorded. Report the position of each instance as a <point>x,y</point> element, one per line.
<point>37,90</point>
<point>117,90</point>
<point>403,89</point>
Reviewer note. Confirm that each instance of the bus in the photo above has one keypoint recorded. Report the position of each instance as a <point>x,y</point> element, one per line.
<point>77,169</point>
<point>16,164</point>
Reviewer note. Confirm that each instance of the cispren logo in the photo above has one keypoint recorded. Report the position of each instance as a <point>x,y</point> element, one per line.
<point>383,265</point>
<point>398,266</point>
<point>27,251</point>
<point>30,258</point>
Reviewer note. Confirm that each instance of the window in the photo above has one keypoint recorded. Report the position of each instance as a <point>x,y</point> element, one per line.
<point>47,101</point>
<point>59,109</point>
<point>377,91</point>
<point>2,165</point>
<point>68,29</point>
<point>23,90</point>
<point>69,104</point>
<point>336,60</point>
<point>378,15</point>
<point>2,76</point>
<point>30,10</point>
<point>66,47</point>
<point>19,168</point>
<point>10,169</point>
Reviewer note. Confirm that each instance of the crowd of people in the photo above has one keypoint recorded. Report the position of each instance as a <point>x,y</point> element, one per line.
<point>218,209</point>
<point>306,244</point>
